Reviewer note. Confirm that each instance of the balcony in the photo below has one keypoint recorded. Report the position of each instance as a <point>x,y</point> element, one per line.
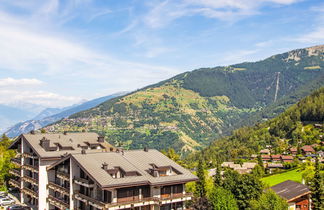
<point>16,161</point>
<point>176,196</point>
<point>14,183</point>
<point>88,200</point>
<point>58,188</point>
<point>29,192</point>
<point>63,175</point>
<point>28,155</point>
<point>61,204</point>
<point>15,172</point>
<point>83,182</point>
<point>30,167</point>
<point>30,180</point>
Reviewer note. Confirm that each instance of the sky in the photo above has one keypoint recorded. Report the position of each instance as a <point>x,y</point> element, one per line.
<point>56,53</point>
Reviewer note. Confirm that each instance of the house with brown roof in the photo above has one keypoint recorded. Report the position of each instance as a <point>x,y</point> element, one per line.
<point>82,171</point>
<point>293,150</point>
<point>246,167</point>
<point>266,158</point>
<point>297,195</point>
<point>276,158</point>
<point>265,152</point>
<point>287,158</point>
<point>307,150</point>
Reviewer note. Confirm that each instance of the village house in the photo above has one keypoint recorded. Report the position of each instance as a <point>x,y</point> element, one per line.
<point>276,158</point>
<point>287,158</point>
<point>297,195</point>
<point>307,150</point>
<point>293,150</point>
<point>246,167</point>
<point>274,166</point>
<point>265,152</point>
<point>266,158</point>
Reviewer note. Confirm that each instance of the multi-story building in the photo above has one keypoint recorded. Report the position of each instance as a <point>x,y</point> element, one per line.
<point>82,171</point>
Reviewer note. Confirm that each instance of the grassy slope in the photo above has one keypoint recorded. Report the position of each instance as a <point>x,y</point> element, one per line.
<point>294,175</point>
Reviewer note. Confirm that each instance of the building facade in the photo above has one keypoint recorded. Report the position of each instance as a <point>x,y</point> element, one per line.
<point>82,171</point>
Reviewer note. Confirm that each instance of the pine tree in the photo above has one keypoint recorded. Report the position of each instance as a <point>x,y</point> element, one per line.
<point>201,183</point>
<point>317,188</point>
<point>218,176</point>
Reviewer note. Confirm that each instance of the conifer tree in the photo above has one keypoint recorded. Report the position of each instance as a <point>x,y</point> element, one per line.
<point>218,176</point>
<point>201,183</point>
<point>317,188</point>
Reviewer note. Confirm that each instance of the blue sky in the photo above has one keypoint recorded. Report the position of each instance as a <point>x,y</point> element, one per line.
<point>55,53</point>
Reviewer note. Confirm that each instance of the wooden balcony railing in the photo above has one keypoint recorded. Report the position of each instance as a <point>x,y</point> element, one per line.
<point>29,155</point>
<point>14,183</point>
<point>63,175</point>
<point>175,196</point>
<point>16,161</point>
<point>15,172</point>
<point>58,188</point>
<point>89,200</point>
<point>30,192</point>
<point>30,180</point>
<point>61,204</point>
<point>30,167</point>
<point>83,182</point>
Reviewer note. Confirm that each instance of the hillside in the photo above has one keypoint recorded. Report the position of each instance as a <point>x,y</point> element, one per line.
<point>52,115</point>
<point>190,110</point>
<point>295,127</point>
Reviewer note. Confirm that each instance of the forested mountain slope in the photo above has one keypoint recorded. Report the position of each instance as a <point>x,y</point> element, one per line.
<point>190,110</point>
<point>295,127</point>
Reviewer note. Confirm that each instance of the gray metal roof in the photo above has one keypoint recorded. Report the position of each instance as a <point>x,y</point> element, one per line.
<point>134,160</point>
<point>290,190</point>
<point>74,140</point>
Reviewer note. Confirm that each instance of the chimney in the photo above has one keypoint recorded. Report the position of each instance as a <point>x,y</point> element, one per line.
<point>101,139</point>
<point>105,166</point>
<point>146,149</point>
<point>65,132</point>
<point>83,152</point>
<point>45,143</point>
<point>155,173</point>
<point>32,132</point>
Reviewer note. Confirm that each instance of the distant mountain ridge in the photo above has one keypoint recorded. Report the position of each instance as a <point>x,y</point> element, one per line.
<point>51,115</point>
<point>192,109</point>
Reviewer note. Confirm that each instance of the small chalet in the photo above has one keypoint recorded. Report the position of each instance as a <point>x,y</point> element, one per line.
<point>287,158</point>
<point>293,151</point>
<point>297,195</point>
<point>266,158</point>
<point>276,158</point>
<point>307,150</point>
<point>265,152</point>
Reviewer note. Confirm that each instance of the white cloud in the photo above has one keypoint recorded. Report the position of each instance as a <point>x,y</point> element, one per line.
<point>9,82</point>
<point>315,36</point>
<point>27,90</point>
<point>164,12</point>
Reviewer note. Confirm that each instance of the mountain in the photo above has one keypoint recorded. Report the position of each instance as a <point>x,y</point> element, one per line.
<point>10,115</point>
<point>300,124</point>
<point>192,109</point>
<point>51,115</point>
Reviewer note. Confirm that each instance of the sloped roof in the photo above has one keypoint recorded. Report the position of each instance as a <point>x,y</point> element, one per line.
<point>290,190</point>
<point>74,140</point>
<point>135,160</point>
<point>307,148</point>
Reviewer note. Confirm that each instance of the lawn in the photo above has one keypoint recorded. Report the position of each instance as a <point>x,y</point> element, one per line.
<point>294,175</point>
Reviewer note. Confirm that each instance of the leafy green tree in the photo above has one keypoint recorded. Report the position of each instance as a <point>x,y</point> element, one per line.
<point>222,199</point>
<point>244,187</point>
<point>317,187</point>
<point>269,200</point>
<point>258,171</point>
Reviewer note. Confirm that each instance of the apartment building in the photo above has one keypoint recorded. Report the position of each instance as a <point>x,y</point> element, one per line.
<point>82,171</point>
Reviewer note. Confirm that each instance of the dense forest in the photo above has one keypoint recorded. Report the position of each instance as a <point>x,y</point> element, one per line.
<point>294,127</point>
<point>192,109</point>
